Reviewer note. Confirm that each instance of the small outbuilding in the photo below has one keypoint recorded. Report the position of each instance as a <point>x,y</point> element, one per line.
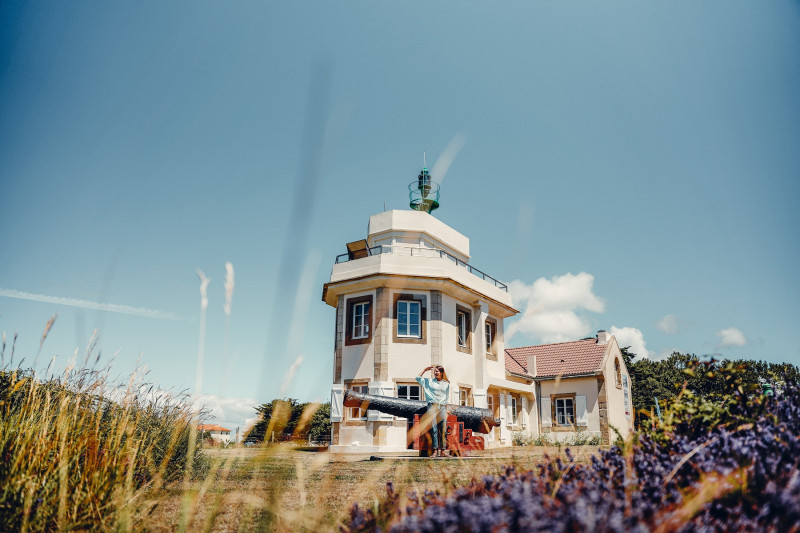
<point>216,433</point>
<point>580,386</point>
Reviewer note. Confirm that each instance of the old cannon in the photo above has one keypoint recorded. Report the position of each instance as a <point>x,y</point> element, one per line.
<point>462,421</point>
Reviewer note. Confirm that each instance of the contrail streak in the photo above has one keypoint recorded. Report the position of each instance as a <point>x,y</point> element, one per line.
<point>86,304</point>
<point>449,154</point>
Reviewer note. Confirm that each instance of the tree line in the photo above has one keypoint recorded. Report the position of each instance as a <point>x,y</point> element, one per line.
<point>662,380</point>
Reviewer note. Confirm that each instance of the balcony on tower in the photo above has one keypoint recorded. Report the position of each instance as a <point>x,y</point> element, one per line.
<point>414,244</point>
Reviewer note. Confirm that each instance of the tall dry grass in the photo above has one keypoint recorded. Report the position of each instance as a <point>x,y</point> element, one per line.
<point>78,452</point>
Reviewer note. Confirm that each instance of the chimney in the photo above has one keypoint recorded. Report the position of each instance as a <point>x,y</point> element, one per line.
<point>532,365</point>
<point>603,337</point>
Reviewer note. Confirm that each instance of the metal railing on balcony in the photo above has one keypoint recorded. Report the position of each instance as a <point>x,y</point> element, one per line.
<point>425,252</point>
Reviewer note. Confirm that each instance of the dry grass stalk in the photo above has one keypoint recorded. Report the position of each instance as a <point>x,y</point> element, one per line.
<point>74,458</point>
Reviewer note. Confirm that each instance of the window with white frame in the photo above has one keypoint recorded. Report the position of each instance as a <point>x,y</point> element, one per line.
<point>564,411</point>
<point>360,321</point>
<point>462,328</point>
<point>515,406</point>
<point>356,413</point>
<point>465,396</point>
<point>358,326</point>
<point>490,337</point>
<point>408,391</point>
<point>490,403</point>
<point>409,319</point>
<point>514,410</point>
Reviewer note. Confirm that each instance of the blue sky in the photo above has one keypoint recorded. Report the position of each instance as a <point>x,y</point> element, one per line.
<point>622,165</point>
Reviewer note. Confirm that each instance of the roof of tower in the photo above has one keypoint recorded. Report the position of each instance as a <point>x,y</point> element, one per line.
<point>418,222</point>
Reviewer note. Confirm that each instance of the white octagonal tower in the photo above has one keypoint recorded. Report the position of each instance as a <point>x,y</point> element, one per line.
<point>406,297</point>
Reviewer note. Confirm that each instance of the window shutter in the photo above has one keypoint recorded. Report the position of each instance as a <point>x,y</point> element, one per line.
<point>544,408</point>
<point>581,416</point>
<point>524,413</point>
<point>337,394</point>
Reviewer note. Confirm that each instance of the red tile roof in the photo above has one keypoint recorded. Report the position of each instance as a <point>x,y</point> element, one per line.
<point>211,427</point>
<point>559,359</point>
<point>516,366</point>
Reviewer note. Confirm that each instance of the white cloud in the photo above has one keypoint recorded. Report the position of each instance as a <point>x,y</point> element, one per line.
<point>86,304</point>
<point>632,337</point>
<point>731,337</point>
<point>550,307</point>
<point>669,324</point>
<point>227,412</point>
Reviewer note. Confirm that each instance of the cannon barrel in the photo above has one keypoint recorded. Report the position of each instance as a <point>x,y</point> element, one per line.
<point>474,418</point>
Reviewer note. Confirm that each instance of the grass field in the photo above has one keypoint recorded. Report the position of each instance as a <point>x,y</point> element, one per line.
<point>78,454</point>
<point>283,489</point>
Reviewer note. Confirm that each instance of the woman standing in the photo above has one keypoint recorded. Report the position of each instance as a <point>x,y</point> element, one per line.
<point>437,390</point>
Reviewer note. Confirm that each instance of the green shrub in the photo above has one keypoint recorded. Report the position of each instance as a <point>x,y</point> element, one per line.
<point>734,401</point>
<point>524,438</point>
<point>581,438</point>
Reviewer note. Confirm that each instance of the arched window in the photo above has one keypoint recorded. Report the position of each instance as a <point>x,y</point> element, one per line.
<point>617,373</point>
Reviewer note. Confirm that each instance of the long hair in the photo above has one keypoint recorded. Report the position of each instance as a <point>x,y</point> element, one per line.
<point>444,374</point>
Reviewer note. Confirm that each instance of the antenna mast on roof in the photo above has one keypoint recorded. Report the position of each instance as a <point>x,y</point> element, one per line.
<point>423,194</point>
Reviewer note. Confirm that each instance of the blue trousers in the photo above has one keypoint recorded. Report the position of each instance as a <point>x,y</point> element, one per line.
<point>438,414</point>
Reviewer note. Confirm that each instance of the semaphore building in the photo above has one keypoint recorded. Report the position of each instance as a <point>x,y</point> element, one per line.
<point>407,296</point>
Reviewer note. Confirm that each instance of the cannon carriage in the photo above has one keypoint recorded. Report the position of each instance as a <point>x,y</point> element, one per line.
<point>462,421</point>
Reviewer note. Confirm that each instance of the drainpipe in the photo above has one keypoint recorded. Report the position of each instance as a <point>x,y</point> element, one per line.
<point>539,405</point>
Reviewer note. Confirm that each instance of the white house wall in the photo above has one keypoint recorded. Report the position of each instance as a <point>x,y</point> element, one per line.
<point>580,387</point>
<point>460,366</point>
<point>405,360</point>
<point>495,369</point>
<point>358,360</point>
<point>615,395</point>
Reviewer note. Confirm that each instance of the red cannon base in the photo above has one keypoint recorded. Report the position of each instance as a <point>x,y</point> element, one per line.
<point>460,441</point>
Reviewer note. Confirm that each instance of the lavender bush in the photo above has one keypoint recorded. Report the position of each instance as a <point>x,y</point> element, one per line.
<point>728,463</point>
